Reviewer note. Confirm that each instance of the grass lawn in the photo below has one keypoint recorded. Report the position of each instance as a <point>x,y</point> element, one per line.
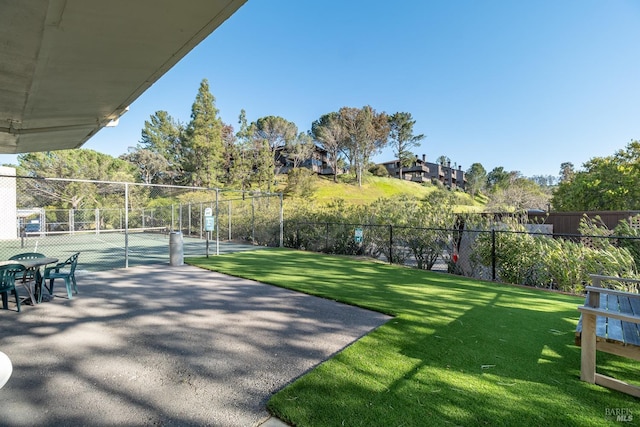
<point>458,351</point>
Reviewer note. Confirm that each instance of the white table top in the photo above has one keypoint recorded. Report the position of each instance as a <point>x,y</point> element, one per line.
<point>32,262</point>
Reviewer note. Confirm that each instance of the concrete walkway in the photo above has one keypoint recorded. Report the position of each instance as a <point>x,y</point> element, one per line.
<point>160,345</point>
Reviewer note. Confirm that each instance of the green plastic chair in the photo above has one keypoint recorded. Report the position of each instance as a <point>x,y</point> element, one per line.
<point>8,283</point>
<point>27,274</point>
<point>63,270</point>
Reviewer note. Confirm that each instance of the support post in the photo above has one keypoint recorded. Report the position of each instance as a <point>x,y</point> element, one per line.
<point>281,220</point>
<point>493,255</point>
<point>126,225</point>
<point>326,237</point>
<point>390,244</point>
<point>588,352</point>
<point>217,223</point>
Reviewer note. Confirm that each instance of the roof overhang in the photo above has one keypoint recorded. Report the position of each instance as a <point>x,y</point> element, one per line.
<point>70,67</point>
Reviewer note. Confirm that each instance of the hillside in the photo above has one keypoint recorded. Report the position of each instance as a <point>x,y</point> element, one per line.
<point>374,188</point>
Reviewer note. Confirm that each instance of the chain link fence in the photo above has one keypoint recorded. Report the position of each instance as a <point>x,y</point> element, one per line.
<point>119,224</point>
<point>533,258</point>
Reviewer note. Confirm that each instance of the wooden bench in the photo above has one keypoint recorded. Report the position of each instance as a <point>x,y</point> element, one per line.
<point>610,322</point>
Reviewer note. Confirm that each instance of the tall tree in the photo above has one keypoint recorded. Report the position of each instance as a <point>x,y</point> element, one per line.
<point>329,134</point>
<point>230,153</point>
<point>164,136</point>
<point>203,145</point>
<point>152,167</point>
<point>299,149</point>
<point>498,178</point>
<point>243,166</point>
<point>366,132</point>
<point>402,138</point>
<point>567,170</point>
<point>276,132</point>
<point>476,178</point>
<point>263,169</point>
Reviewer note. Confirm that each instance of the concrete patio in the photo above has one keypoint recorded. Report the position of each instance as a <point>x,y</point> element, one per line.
<point>161,345</point>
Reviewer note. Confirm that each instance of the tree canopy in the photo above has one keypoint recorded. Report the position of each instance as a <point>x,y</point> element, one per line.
<point>476,178</point>
<point>365,132</point>
<point>402,138</point>
<point>606,183</point>
<point>329,134</point>
<point>78,164</point>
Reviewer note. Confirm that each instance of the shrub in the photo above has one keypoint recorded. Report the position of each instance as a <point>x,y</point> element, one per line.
<point>379,170</point>
<point>632,242</point>
<point>300,182</point>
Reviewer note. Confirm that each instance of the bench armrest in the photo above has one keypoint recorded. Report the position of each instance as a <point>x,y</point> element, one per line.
<point>597,279</point>
<point>611,291</point>
<point>625,317</point>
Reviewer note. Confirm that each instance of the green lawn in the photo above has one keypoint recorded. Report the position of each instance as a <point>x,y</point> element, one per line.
<point>458,352</point>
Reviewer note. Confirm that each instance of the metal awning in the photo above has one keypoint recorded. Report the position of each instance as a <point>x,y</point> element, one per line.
<point>70,67</point>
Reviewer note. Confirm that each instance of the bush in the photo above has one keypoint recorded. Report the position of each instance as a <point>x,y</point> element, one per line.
<point>379,170</point>
<point>516,254</point>
<point>632,242</point>
<point>300,182</point>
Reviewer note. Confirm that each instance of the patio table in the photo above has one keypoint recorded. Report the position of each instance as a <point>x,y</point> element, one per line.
<point>33,265</point>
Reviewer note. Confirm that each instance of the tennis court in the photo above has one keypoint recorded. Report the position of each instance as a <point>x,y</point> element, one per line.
<point>120,224</point>
<point>112,249</point>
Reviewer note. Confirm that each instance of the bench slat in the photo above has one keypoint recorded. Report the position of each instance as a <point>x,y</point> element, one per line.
<point>601,322</point>
<point>614,326</point>
<point>614,330</point>
<point>629,330</point>
<point>601,326</point>
<point>635,306</point>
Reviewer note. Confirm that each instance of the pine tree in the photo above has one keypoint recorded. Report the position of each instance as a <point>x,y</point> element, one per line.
<point>204,147</point>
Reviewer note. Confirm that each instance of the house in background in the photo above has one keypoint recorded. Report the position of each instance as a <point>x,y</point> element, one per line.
<point>422,171</point>
<point>318,162</point>
<point>417,171</point>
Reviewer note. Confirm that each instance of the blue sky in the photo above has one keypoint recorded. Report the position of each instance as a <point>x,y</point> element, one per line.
<point>525,85</point>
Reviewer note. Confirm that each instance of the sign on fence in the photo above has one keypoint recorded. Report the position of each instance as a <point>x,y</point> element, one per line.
<point>209,223</point>
<point>358,235</point>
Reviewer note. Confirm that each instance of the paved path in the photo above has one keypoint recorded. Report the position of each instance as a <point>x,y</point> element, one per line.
<point>170,346</point>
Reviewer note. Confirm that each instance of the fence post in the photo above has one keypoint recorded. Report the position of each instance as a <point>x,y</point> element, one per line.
<point>390,244</point>
<point>189,221</point>
<point>126,225</point>
<point>229,220</point>
<point>97,221</point>
<point>493,255</point>
<point>43,220</point>
<point>217,223</point>
<point>326,238</point>
<point>201,220</point>
<point>281,220</point>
